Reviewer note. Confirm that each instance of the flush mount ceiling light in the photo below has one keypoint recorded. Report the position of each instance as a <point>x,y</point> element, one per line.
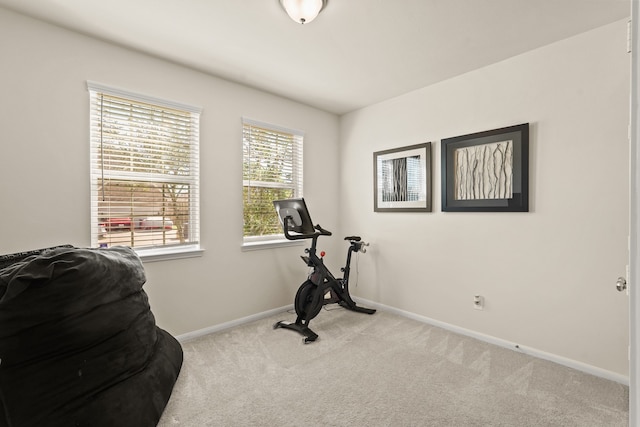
<point>303,11</point>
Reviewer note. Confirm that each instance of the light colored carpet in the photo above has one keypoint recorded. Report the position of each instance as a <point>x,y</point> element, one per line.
<point>379,370</point>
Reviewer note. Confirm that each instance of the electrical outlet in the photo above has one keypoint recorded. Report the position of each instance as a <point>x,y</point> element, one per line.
<point>478,302</point>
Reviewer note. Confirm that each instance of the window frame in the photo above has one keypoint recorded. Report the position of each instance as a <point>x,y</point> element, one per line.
<point>158,252</point>
<point>275,240</point>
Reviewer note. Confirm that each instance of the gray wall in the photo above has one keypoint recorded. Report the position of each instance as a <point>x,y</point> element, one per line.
<point>548,275</point>
<point>44,167</point>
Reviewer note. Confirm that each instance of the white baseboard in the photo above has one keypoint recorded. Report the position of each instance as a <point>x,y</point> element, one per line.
<point>574,364</point>
<point>228,325</point>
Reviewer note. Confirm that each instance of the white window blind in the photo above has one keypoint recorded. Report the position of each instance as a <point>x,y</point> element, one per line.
<point>144,171</point>
<point>272,170</point>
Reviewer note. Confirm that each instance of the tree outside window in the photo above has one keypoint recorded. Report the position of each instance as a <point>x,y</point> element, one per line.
<point>272,170</point>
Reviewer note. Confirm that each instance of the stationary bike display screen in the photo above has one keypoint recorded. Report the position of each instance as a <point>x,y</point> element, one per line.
<point>297,210</point>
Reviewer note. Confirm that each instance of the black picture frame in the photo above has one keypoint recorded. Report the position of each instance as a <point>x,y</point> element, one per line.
<point>486,171</point>
<point>409,190</point>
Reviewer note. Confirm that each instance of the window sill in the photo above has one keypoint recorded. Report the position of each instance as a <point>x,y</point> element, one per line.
<point>162,254</point>
<point>269,244</point>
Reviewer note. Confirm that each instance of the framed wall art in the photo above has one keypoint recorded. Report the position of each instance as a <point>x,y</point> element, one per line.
<point>402,179</point>
<point>486,171</point>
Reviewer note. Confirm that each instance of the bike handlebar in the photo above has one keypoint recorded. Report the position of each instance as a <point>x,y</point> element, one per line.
<point>322,231</point>
<point>360,245</point>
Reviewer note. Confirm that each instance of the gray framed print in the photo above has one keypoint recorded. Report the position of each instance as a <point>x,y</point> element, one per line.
<point>402,179</point>
<point>486,171</point>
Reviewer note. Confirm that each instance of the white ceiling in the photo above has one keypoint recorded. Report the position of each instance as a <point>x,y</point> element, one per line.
<point>356,53</point>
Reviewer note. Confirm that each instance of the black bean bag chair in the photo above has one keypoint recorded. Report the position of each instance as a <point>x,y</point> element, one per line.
<point>79,345</point>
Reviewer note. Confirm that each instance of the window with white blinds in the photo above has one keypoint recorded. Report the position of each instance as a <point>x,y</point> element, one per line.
<point>144,171</point>
<point>272,170</point>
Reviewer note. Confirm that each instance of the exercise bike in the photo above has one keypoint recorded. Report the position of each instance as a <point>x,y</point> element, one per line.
<point>321,287</point>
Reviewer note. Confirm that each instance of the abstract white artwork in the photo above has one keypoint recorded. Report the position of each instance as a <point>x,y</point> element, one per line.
<point>484,171</point>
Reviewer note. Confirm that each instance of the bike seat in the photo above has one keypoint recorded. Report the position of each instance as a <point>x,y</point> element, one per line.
<point>353,238</point>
